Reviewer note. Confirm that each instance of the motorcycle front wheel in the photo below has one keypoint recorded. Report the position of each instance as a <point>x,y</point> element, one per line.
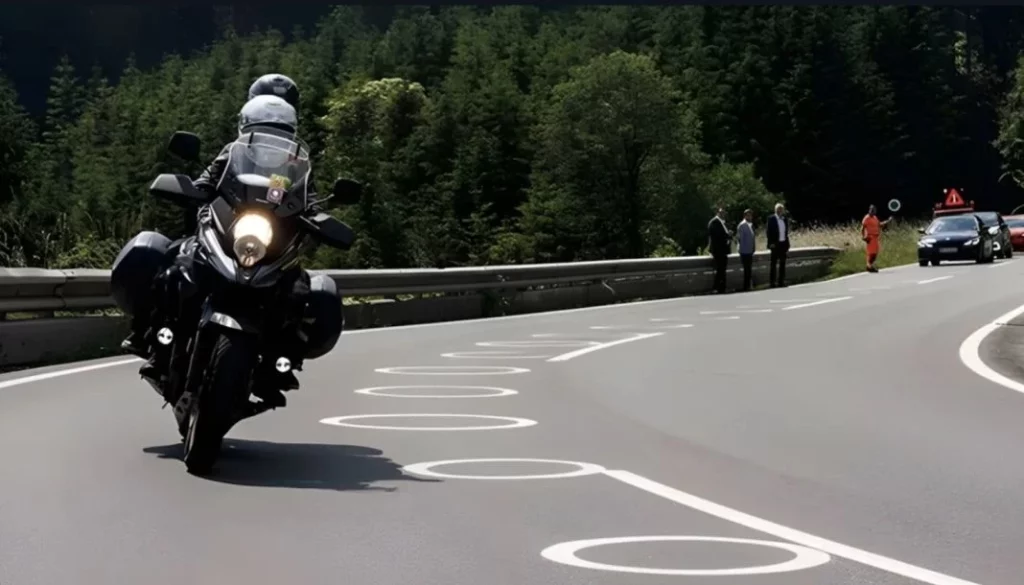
<point>211,415</point>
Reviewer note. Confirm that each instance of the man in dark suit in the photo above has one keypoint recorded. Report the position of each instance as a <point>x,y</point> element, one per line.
<point>777,230</point>
<point>719,238</point>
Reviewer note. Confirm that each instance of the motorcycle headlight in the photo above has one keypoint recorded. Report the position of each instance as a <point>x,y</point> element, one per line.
<point>252,234</point>
<point>993,230</point>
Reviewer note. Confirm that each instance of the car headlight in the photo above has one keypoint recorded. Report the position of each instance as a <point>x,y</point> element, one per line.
<point>925,242</point>
<point>974,242</point>
<point>252,234</point>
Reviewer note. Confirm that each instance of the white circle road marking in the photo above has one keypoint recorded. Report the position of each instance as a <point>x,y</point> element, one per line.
<point>500,355</point>
<point>516,423</point>
<point>376,391</point>
<point>427,469</point>
<point>537,343</point>
<point>806,558</point>
<point>448,370</point>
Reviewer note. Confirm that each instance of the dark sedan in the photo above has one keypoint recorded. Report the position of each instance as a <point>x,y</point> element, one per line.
<point>1000,231</point>
<point>955,237</point>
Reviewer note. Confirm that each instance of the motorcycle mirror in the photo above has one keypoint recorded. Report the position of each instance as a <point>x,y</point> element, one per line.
<point>176,189</point>
<point>920,231</point>
<point>347,191</point>
<point>185,145</point>
<point>329,230</point>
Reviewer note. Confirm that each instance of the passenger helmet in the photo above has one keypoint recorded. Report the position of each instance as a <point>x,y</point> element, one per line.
<point>268,111</point>
<point>278,85</point>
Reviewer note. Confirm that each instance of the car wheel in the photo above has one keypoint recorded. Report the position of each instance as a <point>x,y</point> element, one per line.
<point>935,262</point>
<point>922,263</point>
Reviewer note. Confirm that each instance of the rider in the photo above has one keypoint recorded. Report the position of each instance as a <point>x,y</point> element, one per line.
<point>264,112</point>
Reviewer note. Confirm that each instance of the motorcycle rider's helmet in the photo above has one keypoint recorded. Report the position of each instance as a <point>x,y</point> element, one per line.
<point>268,112</point>
<point>278,85</point>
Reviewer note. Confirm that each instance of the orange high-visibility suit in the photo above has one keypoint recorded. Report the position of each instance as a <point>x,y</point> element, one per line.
<point>872,231</point>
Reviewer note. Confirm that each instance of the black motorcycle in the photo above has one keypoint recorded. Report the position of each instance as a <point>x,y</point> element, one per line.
<point>229,310</point>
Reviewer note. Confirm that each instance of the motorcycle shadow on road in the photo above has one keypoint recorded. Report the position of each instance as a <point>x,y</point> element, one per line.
<point>299,465</point>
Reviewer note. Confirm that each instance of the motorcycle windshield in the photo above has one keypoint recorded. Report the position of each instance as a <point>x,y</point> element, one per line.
<point>269,168</point>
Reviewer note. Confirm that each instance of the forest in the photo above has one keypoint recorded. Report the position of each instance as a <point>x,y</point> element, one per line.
<point>513,134</point>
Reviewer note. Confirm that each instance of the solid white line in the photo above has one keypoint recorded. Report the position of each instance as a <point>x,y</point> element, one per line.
<point>1003,263</point>
<point>68,372</point>
<point>971,358</point>
<point>736,311</point>
<point>937,279</point>
<point>790,534</point>
<point>583,351</point>
<point>816,303</point>
<point>794,301</point>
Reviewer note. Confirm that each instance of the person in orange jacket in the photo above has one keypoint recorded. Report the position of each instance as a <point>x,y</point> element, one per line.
<point>871,231</point>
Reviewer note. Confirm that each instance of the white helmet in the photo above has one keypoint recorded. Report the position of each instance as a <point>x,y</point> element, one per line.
<point>267,111</point>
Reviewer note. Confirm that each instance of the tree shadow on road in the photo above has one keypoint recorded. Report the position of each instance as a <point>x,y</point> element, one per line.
<point>299,465</point>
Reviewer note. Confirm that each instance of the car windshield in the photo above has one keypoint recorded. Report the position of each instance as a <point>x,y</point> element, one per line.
<point>960,223</point>
<point>988,217</point>
<point>268,160</point>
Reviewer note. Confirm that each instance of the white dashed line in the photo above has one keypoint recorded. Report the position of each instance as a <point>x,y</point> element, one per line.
<point>736,311</point>
<point>816,303</point>
<point>936,279</point>
<point>583,351</point>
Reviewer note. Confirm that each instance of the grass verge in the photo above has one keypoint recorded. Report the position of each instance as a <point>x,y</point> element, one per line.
<point>899,245</point>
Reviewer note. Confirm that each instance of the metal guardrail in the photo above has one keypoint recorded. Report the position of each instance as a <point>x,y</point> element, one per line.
<point>37,289</point>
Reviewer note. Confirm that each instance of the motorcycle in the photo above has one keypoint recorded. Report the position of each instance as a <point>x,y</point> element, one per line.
<point>225,321</point>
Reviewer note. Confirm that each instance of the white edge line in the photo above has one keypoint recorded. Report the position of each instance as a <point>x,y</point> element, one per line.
<point>583,351</point>
<point>790,534</point>
<point>970,356</point>
<point>816,303</point>
<point>936,279</point>
<point>730,311</point>
<point>67,372</point>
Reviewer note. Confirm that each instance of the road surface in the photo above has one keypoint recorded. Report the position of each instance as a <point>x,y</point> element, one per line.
<point>820,434</point>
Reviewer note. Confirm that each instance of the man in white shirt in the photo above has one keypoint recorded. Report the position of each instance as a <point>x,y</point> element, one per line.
<point>778,242</point>
<point>745,231</point>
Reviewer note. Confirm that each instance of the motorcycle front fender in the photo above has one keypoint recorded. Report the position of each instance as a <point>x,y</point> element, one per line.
<point>212,318</point>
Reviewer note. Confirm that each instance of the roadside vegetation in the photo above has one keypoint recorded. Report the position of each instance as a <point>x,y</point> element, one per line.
<point>514,134</point>
<point>899,244</point>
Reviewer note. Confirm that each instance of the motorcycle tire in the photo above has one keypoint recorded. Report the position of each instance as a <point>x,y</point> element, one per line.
<point>210,417</point>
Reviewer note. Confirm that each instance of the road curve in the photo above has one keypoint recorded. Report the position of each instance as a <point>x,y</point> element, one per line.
<point>825,433</point>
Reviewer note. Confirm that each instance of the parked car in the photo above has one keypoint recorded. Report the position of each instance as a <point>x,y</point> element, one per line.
<point>956,237</point>
<point>1000,231</point>
<point>1016,225</point>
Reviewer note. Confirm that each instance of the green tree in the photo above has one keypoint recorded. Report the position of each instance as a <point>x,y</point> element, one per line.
<point>618,151</point>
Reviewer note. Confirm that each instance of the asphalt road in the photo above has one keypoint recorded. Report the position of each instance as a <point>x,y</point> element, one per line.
<point>833,425</point>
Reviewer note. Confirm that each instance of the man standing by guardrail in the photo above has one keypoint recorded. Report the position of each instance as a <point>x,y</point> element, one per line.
<point>745,231</point>
<point>778,242</point>
<point>719,238</point>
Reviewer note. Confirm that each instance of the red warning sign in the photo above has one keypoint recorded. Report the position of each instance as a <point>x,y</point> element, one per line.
<point>953,199</point>
<point>954,204</point>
